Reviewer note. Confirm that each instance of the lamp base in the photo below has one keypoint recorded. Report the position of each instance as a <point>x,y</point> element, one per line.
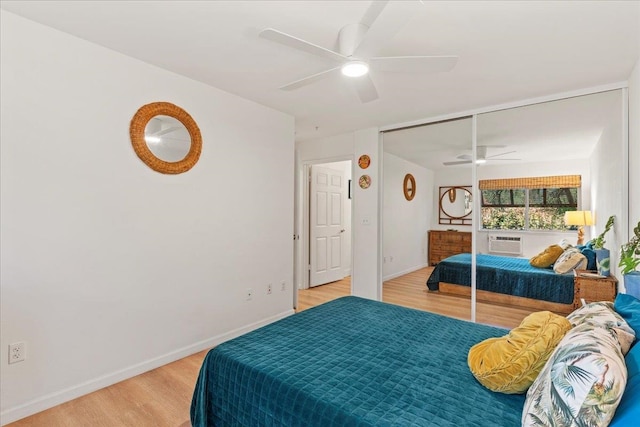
<point>580,236</point>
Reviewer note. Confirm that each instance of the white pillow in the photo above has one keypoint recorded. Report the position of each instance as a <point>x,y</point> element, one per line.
<point>570,260</point>
<point>564,244</point>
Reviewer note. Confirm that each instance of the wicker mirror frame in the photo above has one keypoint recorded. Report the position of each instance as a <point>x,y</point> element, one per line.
<point>136,132</point>
<point>409,190</point>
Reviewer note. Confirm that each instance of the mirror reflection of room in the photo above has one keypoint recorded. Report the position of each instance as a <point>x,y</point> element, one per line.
<point>410,228</point>
<point>167,138</point>
<point>533,164</point>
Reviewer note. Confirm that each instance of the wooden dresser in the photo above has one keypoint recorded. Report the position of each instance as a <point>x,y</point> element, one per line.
<point>443,244</point>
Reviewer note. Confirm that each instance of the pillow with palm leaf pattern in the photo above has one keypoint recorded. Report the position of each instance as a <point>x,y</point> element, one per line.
<point>603,314</point>
<point>581,383</point>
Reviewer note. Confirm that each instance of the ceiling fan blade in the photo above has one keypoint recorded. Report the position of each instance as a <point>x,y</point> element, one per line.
<point>372,13</point>
<point>461,162</point>
<point>296,43</point>
<point>365,88</point>
<point>493,160</point>
<point>501,154</point>
<point>309,79</point>
<point>414,64</point>
<point>382,27</point>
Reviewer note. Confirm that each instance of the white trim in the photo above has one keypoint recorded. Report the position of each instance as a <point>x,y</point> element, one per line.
<point>475,213</point>
<point>505,106</point>
<point>407,271</point>
<point>56,398</point>
<point>380,214</point>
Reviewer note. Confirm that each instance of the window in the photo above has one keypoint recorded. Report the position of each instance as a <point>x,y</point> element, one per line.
<point>537,203</point>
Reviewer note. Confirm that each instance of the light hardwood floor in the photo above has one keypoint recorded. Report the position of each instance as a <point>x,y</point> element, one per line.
<point>162,397</point>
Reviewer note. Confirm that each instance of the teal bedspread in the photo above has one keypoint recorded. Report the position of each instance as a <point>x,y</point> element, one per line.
<point>505,275</point>
<point>351,362</point>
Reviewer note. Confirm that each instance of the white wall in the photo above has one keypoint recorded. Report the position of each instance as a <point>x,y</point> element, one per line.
<point>535,241</point>
<point>607,189</point>
<point>366,272</point>
<point>406,222</point>
<point>108,268</point>
<point>634,150</point>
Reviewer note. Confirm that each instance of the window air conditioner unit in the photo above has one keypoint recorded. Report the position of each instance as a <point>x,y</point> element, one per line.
<point>505,245</point>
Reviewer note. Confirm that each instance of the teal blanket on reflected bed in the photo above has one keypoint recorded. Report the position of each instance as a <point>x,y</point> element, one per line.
<point>351,362</point>
<point>504,275</point>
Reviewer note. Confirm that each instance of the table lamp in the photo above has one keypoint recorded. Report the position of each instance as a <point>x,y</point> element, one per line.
<point>579,218</point>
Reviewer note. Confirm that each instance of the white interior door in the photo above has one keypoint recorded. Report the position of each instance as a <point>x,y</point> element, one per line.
<point>327,188</point>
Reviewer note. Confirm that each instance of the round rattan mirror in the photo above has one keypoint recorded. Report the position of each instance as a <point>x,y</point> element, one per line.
<point>165,137</point>
<point>409,187</point>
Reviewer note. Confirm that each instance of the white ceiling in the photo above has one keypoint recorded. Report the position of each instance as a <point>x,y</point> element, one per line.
<point>507,50</point>
<point>559,130</point>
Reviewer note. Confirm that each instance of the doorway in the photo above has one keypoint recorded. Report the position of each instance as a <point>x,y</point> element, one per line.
<point>326,237</point>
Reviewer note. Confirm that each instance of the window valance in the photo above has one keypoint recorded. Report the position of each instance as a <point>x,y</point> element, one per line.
<point>558,181</point>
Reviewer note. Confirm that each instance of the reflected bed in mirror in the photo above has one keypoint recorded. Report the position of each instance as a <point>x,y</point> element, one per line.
<point>455,205</point>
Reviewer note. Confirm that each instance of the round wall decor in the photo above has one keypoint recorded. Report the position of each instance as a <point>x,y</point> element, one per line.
<point>364,182</point>
<point>409,187</point>
<point>364,161</point>
<point>165,137</point>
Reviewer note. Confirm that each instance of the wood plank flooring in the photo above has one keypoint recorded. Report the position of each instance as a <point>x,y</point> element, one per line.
<point>162,397</point>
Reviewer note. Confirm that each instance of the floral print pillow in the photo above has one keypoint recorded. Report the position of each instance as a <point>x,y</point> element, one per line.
<point>582,382</point>
<point>604,315</point>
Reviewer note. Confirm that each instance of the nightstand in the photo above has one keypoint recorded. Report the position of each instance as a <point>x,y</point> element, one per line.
<point>590,287</point>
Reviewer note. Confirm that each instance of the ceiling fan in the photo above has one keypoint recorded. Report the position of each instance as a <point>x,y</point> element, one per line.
<point>481,156</point>
<point>356,44</point>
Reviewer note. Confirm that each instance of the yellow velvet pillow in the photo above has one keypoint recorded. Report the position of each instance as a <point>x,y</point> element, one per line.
<point>547,257</point>
<point>511,363</point>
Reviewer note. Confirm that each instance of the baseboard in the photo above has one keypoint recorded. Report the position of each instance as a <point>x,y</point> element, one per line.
<point>56,398</point>
<point>407,271</point>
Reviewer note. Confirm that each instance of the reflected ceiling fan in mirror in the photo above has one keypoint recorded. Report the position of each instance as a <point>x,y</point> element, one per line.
<point>481,157</point>
<point>357,42</point>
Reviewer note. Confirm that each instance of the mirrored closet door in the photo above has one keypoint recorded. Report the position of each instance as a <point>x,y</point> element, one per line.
<point>537,162</point>
<point>435,224</point>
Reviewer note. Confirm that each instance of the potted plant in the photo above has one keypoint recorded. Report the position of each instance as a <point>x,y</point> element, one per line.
<point>629,262</point>
<point>603,255</point>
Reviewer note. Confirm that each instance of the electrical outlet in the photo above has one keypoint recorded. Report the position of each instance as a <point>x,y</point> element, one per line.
<point>283,286</point>
<point>249,294</point>
<point>17,352</point>
<point>269,289</point>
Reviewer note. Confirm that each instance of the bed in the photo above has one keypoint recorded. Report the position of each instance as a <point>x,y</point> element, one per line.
<point>351,362</point>
<point>507,280</point>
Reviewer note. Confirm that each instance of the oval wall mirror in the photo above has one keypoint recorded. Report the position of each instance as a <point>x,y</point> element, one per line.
<point>456,204</point>
<point>409,187</point>
<point>165,137</point>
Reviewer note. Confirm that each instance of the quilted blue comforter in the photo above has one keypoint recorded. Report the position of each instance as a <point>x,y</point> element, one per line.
<point>351,362</point>
<point>505,275</point>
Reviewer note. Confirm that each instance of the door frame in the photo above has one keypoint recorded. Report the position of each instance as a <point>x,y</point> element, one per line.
<point>301,234</point>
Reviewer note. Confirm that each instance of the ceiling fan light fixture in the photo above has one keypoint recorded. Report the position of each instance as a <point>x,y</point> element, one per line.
<point>152,139</point>
<point>355,68</point>
<point>480,161</point>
